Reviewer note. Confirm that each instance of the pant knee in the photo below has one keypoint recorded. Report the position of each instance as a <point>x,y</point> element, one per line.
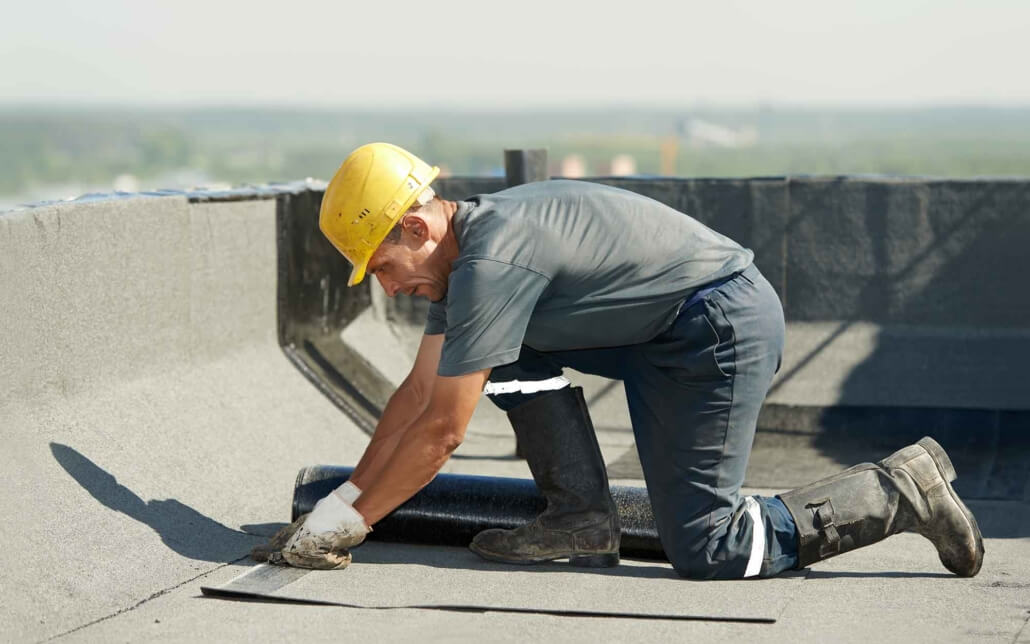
<point>759,539</point>
<point>689,554</point>
<point>711,548</point>
<point>696,566</point>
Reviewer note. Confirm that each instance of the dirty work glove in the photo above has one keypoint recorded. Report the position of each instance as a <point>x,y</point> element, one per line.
<point>324,537</point>
<point>272,551</point>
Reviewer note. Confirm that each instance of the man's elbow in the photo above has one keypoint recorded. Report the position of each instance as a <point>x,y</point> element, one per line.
<point>448,435</point>
<point>451,440</point>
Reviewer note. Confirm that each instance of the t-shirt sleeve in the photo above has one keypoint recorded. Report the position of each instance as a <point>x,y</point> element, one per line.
<point>436,319</point>
<point>489,304</point>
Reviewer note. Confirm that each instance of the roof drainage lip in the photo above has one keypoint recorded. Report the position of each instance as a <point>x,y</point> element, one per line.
<point>246,192</point>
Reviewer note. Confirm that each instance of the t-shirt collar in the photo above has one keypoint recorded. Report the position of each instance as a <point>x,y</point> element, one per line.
<point>458,220</point>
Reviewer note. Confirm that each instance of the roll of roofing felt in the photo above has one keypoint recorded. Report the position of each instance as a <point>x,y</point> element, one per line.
<point>453,508</point>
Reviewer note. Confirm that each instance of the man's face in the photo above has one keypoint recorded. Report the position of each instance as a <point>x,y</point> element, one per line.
<point>409,266</point>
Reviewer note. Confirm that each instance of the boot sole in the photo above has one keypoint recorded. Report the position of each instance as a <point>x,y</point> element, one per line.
<point>593,560</point>
<point>947,470</point>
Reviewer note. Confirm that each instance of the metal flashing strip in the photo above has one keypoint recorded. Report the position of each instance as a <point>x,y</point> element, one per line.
<point>262,581</point>
<point>263,578</point>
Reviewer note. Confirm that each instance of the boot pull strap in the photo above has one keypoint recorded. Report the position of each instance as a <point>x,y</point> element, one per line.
<point>830,544</point>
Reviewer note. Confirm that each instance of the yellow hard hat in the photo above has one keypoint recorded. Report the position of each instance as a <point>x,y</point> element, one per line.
<point>376,184</point>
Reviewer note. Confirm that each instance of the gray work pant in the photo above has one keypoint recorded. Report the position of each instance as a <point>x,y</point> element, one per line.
<point>694,393</point>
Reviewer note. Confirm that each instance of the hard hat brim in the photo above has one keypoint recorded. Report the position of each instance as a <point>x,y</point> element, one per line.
<point>357,274</point>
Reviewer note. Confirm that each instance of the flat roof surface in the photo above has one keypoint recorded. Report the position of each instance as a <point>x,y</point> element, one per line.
<point>152,430</point>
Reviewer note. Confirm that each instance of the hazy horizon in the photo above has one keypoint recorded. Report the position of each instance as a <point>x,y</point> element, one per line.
<point>538,55</point>
<point>74,105</point>
<point>60,152</point>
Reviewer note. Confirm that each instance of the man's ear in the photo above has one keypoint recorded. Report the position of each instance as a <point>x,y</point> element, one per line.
<point>415,225</point>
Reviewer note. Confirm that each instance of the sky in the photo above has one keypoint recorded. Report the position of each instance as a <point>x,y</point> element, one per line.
<point>402,54</point>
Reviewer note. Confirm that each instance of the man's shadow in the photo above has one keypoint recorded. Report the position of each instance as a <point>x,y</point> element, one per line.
<point>180,527</point>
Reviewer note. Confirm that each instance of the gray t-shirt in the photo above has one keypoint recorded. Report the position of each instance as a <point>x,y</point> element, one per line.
<point>560,265</point>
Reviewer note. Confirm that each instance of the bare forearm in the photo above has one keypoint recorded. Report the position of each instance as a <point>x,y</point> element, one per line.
<point>418,456</point>
<point>404,406</point>
<point>376,456</point>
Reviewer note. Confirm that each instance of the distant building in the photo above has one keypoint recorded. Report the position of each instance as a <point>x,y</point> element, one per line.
<point>125,183</point>
<point>573,167</point>
<point>623,165</point>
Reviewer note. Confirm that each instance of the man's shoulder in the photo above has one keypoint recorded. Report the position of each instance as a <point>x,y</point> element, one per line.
<point>550,188</point>
<point>521,208</point>
<point>498,222</point>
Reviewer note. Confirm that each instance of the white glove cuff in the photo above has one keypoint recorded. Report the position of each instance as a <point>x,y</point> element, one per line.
<point>348,492</point>
<point>333,514</point>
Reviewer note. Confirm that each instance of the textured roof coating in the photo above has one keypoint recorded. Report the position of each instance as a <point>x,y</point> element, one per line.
<point>152,427</point>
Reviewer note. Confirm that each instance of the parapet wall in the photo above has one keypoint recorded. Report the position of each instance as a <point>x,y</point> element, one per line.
<point>907,310</point>
<point>897,292</point>
<point>904,298</point>
<point>941,253</point>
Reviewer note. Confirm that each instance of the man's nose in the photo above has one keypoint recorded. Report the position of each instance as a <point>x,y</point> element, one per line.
<point>390,287</point>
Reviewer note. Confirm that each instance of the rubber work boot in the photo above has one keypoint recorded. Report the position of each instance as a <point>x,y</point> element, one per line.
<point>581,521</point>
<point>908,490</point>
